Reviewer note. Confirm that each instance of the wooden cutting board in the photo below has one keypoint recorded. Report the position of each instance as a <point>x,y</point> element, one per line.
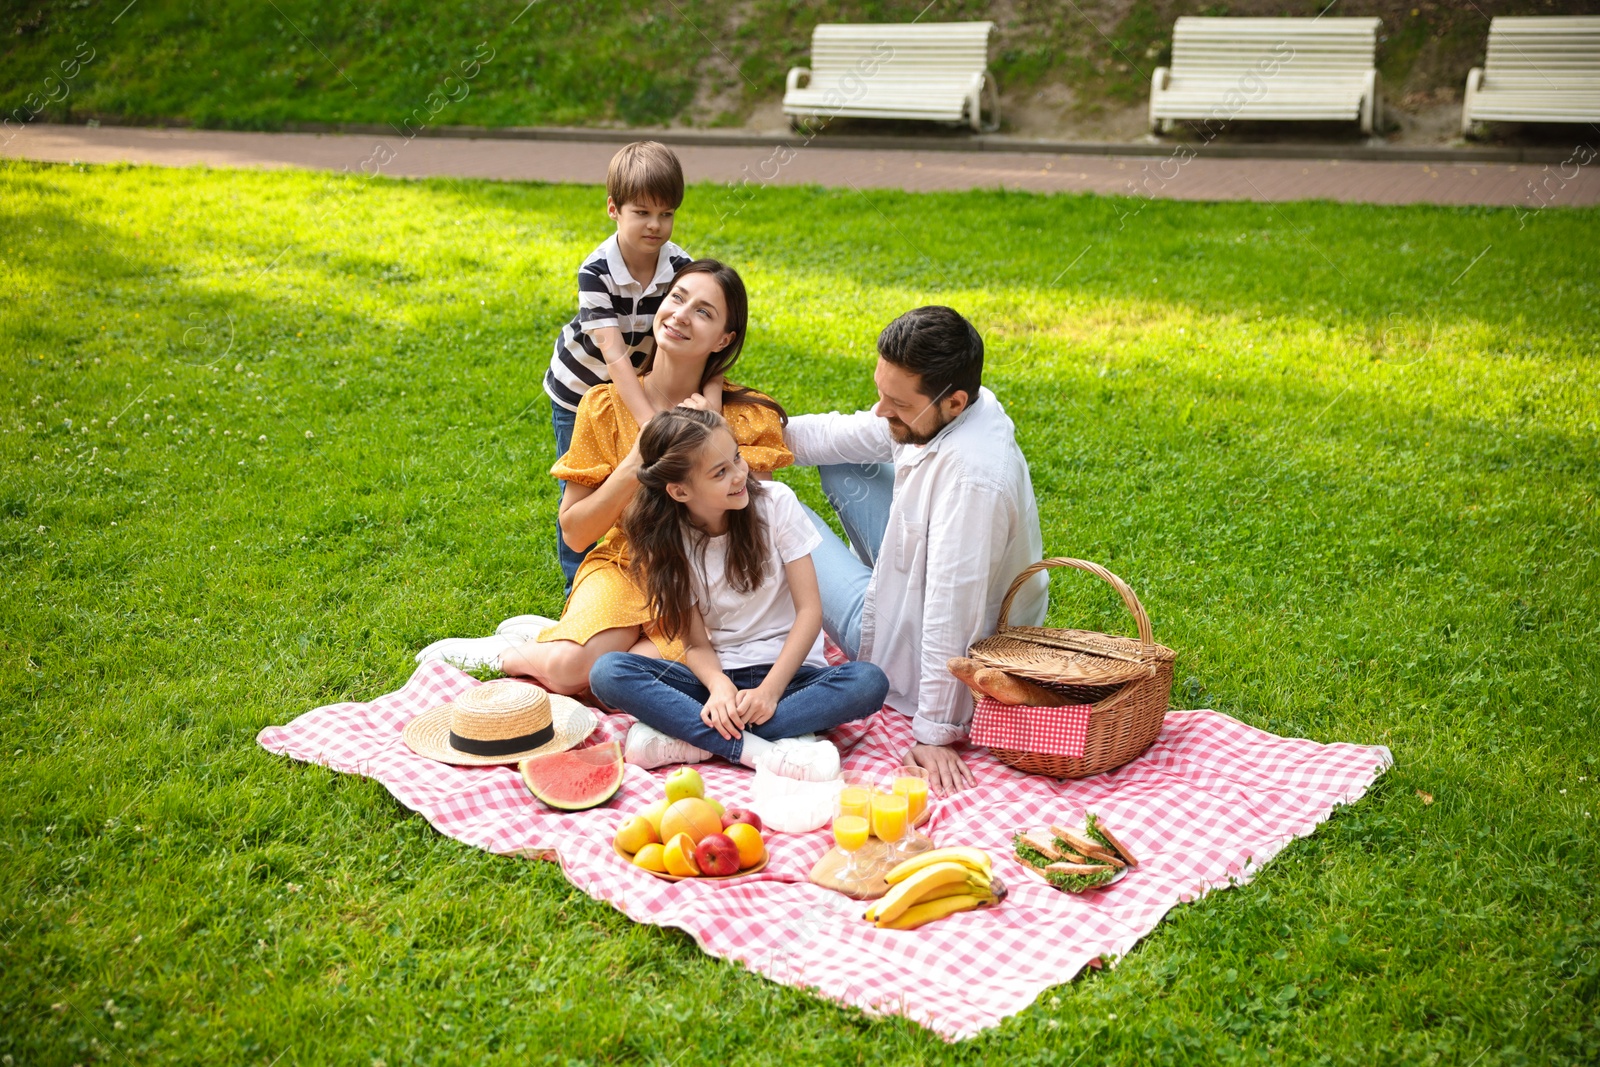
<point>875,859</point>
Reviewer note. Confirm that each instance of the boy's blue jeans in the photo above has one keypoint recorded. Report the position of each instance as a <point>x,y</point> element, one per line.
<point>669,697</point>
<point>563,421</point>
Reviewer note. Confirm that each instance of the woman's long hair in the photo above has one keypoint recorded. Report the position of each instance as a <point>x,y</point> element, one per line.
<point>723,359</point>
<point>660,533</point>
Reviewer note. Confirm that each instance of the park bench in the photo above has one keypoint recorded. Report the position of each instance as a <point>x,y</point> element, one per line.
<point>1269,68</point>
<point>1536,70</point>
<point>936,71</point>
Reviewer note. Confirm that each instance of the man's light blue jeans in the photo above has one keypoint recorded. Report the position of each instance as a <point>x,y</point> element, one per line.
<point>860,495</point>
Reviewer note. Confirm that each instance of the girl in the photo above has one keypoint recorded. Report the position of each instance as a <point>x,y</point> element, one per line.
<point>724,561</point>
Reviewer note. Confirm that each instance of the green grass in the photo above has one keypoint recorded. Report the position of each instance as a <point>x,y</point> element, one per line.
<point>245,64</point>
<point>265,434</point>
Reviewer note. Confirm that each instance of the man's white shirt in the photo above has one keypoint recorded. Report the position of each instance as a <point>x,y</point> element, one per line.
<point>963,525</point>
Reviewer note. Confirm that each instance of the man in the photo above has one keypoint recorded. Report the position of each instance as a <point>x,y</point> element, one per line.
<point>934,494</point>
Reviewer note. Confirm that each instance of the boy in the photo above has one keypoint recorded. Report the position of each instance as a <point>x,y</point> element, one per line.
<point>620,286</point>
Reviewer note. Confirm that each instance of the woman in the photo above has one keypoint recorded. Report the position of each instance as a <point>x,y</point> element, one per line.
<point>699,331</point>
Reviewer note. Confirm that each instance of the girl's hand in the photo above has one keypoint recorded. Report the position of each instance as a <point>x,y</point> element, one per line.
<point>721,712</point>
<point>696,401</point>
<point>756,706</point>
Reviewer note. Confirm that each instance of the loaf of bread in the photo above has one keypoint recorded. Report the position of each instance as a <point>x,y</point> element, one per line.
<point>965,670</point>
<point>1009,689</point>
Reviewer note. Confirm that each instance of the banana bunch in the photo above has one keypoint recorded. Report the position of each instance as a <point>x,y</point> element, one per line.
<point>935,884</point>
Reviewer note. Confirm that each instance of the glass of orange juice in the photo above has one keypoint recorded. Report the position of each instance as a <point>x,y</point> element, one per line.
<point>855,799</point>
<point>912,783</point>
<point>850,833</point>
<point>890,819</point>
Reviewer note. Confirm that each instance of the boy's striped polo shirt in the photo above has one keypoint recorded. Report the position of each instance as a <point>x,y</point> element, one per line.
<point>608,296</point>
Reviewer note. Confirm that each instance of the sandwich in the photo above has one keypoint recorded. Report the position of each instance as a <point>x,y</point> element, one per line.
<point>1074,861</point>
<point>1097,830</point>
<point>1038,850</point>
<point>1087,847</point>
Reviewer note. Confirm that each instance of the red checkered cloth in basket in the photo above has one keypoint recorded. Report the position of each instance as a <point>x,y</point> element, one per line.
<point>1210,803</point>
<point>1054,731</point>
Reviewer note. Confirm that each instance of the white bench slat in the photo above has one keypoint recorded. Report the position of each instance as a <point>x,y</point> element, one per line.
<point>929,70</point>
<point>1281,68</point>
<point>955,100</point>
<point>1536,69</point>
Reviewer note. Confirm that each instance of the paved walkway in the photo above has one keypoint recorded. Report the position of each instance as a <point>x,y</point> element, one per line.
<point>1527,185</point>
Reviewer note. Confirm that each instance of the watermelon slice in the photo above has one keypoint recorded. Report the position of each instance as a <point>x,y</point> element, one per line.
<point>576,779</point>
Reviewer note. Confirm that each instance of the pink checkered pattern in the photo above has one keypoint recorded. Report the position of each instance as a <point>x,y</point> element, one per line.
<point>1211,802</point>
<point>1053,731</point>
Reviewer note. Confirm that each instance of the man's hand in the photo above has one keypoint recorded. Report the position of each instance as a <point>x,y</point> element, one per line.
<point>947,772</point>
<point>721,713</point>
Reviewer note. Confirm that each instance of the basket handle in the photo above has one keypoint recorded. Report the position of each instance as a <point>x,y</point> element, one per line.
<point>1147,639</point>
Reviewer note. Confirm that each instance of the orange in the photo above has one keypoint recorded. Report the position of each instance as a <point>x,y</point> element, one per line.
<point>752,850</point>
<point>651,857</point>
<point>691,816</point>
<point>679,856</point>
<point>635,833</point>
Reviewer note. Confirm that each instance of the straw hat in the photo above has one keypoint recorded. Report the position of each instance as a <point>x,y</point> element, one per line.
<point>502,721</point>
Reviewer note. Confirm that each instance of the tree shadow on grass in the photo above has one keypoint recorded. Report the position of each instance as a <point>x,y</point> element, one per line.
<point>1220,259</point>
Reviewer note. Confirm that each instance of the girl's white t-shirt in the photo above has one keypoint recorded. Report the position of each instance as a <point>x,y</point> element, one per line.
<point>749,629</point>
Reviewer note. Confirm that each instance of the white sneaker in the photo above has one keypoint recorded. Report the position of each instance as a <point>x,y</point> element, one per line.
<point>807,761</point>
<point>525,627</point>
<point>649,748</point>
<point>469,653</point>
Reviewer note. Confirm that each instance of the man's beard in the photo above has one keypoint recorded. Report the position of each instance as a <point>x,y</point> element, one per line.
<point>905,435</point>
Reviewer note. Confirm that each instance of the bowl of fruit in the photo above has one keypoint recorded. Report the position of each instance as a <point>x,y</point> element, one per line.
<point>687,834</point>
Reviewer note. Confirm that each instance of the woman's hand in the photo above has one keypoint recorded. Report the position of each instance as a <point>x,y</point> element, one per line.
<point>756,705</point>
<point>629,467</point>
<point>721,712</point>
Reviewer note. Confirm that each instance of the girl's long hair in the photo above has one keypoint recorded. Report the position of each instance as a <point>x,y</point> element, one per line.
<point>660,533</point>
<point>723,359</point>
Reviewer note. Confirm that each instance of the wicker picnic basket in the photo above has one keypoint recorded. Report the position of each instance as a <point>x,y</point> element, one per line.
<point>1127,683</point>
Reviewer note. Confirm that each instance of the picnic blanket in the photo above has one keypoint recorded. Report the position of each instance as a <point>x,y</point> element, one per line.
<point>1212,801</point>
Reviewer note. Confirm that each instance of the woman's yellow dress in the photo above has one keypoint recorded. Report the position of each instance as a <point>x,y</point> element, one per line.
<point>604,596</point>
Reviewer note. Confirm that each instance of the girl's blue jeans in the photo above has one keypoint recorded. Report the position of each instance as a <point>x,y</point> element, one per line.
<point>669,697</point>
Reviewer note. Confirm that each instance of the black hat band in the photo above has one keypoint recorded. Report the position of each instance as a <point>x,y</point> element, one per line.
<point>501,746</point>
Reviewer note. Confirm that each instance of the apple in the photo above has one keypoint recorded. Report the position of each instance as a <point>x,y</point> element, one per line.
<point>716,854</point>
<point>652,814</point>
<point>733,815</point>
<point>715,804</point>
<point>636,832</point>
<point>684,782</point>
